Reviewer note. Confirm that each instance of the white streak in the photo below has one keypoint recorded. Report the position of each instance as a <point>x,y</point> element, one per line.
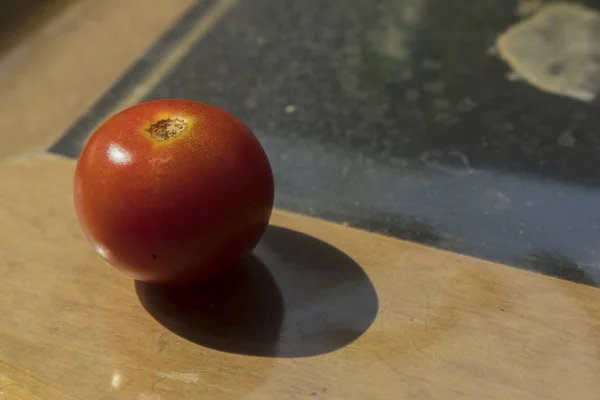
<point>181,377</point>
<point>102,251</point>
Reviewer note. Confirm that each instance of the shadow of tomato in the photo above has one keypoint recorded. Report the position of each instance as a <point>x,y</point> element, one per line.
<point>296,296</point>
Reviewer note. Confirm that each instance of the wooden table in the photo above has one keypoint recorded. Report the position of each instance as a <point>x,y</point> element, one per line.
<point>324,311</point>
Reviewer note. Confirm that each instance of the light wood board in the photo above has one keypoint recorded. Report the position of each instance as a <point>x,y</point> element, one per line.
<point>59,70</point>
<point>448,326</point>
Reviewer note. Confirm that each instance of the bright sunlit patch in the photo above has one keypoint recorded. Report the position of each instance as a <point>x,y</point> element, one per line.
<point>116,380</point>
<point>118,154</point>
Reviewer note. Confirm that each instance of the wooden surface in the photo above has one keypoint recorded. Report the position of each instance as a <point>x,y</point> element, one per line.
<point>447,327</point>
<point>425,324</point>
<point>58,71</point>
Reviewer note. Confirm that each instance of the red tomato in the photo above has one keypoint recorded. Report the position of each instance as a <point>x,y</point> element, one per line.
<point>173,191</point>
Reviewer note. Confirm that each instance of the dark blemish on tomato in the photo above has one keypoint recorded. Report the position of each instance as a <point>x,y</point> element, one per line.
<point>154,256</point>
<point>166,129</point>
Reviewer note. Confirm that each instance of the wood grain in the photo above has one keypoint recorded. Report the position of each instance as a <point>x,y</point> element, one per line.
<point>448,326</point>
<point>57,71</point>
<point>71,327</point>
<point>21,19</point>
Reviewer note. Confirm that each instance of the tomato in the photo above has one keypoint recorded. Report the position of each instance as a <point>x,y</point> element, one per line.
<point>173,191</point>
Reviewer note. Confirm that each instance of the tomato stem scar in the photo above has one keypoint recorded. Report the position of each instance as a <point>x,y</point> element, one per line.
<point>167,129</point>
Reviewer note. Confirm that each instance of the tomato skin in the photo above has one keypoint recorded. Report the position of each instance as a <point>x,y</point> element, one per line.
<point>173,211</point>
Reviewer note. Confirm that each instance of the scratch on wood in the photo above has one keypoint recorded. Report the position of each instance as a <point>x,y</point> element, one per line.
<point>161,342</point>
<point>521,377</point>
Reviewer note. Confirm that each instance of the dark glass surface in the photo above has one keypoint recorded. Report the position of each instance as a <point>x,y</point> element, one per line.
<point>394,117</point>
